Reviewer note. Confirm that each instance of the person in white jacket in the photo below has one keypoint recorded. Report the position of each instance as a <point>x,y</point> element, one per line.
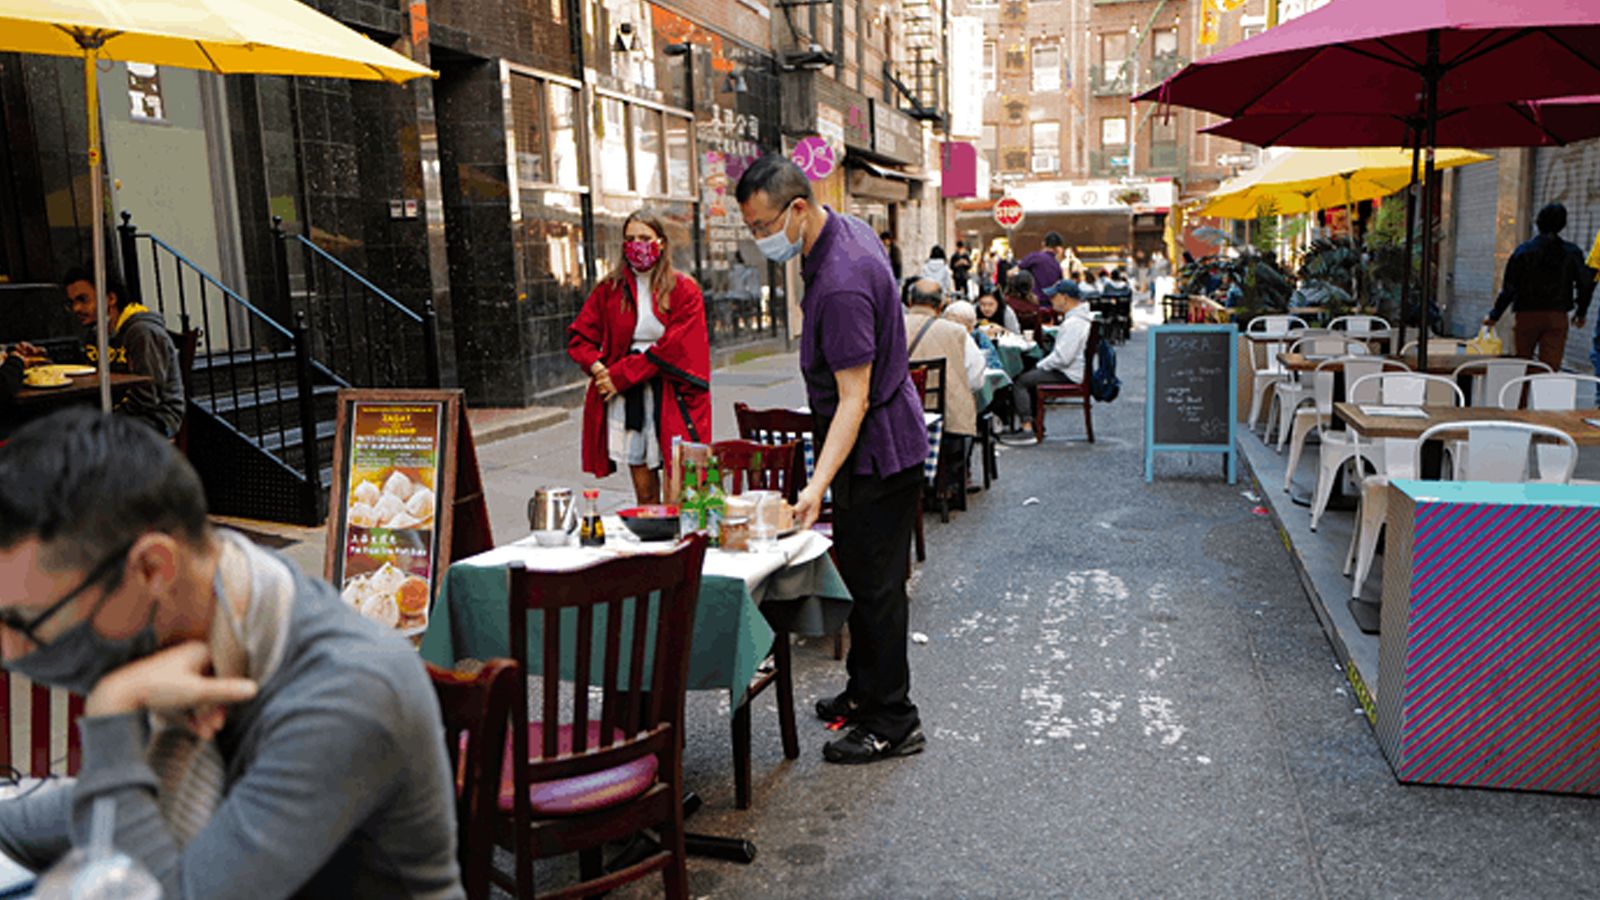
<point>936,269</point>
<point>1066,363</point>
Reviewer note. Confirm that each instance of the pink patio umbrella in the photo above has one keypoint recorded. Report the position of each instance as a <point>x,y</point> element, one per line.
<point>1536,123</point>
<point>1414,59</point>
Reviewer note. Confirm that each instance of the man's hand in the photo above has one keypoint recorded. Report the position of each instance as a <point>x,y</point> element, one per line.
<point>175,681</point>
<point>1577,321</point>
<point>808,506</point>
<point>1488,322</point>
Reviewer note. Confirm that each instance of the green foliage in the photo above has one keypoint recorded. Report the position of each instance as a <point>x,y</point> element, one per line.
<point>1332,274</point>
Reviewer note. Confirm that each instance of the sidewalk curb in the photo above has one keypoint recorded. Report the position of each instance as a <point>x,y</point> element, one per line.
<point>539,421</point>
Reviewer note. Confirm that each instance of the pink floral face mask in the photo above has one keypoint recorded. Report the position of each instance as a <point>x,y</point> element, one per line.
<point>642,255</point>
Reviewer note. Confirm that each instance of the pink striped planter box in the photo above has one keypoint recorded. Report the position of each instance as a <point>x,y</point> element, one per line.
<point>1489,666</point>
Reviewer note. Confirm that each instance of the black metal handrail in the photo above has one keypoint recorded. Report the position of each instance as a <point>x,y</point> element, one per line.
<point>359,331</point>
<point>236,339</point>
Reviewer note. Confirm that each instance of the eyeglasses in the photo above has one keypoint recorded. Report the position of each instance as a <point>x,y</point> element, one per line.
<point>29,628</point>
<point>771,225</point>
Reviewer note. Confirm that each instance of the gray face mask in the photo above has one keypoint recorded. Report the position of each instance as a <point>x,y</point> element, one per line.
<point>79,657</point>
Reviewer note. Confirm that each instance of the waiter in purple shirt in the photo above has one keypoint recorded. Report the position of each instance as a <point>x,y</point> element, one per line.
<point>1045,265</point>
<point>869,425</point>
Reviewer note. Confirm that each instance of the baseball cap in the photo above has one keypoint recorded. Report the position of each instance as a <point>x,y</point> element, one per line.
<point>1064,286</point>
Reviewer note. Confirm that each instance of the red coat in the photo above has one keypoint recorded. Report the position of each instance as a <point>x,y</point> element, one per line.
<point>681,358</point>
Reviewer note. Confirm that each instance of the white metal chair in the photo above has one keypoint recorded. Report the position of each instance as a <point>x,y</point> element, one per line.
<point>1288,395</point>
<point>1552,391</point>
<point>1315,413</point>
<point>1439,347</point>
<point>1265,370</point>
<point>1361,326</point>
<point>1495,451</point>
<point>1341,447</point>
<point>1490,376</point>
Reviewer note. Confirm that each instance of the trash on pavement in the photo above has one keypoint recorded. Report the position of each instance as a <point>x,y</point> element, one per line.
<point>918,637</point>
<point>1031,501</point>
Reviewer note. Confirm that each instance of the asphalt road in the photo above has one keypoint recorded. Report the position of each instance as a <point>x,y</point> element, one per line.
<point>1126,694</point>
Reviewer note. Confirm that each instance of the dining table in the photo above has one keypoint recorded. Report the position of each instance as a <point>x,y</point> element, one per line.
<point>80,389</point>
<point>1013,351</point>
<point>1373,421</point>
<point>994,381</point>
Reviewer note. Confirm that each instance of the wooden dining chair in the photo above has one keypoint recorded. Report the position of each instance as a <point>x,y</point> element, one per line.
<point>772,474</point>
<point>476,707</point>
<point>1075,394</point>
<point>932,381</point>
<point>44,708</point>
<point>581,781</point>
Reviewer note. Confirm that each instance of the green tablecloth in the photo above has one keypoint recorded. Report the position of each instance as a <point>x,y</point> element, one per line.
<point>1011,357</point>
<point>993,381</point>
<point>733,624</point>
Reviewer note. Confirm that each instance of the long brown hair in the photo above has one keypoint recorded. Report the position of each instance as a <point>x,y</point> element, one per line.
<point>663,278</point>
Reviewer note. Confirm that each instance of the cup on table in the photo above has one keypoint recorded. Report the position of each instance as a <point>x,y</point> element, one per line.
<point>1028,335</point>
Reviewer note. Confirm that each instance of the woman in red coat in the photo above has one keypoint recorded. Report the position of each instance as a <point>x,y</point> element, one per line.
<point>641,338</point>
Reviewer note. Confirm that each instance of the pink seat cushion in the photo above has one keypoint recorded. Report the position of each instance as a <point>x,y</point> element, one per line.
<point>582,793</point>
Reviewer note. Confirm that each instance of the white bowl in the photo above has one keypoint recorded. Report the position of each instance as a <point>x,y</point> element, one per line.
<point>551,538</point>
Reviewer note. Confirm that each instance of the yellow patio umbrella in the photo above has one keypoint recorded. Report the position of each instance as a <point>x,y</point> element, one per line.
<point>259,37</point>
<point>1306,180</point>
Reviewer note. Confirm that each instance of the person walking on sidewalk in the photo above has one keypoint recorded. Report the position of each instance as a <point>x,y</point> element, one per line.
<point>641,338</point>
<point>1545,278</point>
<point>873,442</point>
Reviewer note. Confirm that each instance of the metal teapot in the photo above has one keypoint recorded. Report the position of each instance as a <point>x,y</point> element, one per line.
<point>552,515</point>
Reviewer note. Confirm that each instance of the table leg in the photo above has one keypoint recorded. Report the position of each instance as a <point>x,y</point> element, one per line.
<point>706,846</point>
<point>783,657</point>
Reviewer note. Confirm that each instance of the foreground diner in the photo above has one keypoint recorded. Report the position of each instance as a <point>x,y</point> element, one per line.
<point>258,737</point>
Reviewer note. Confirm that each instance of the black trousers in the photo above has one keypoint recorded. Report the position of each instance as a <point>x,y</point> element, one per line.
<point>873,521</point>
<point>1022,390</point>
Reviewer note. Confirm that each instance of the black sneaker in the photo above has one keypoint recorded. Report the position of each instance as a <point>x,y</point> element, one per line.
<point>862,746</point>
<point>832,709</point>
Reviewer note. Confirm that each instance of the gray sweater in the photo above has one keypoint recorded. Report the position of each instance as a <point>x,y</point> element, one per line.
<point>338,784</point>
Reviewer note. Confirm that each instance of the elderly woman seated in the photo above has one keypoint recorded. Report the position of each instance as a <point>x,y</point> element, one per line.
<point>966,315</point>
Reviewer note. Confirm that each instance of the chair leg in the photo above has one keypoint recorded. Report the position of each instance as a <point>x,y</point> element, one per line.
<point>1374,510</point>
<point>591,864</point>
<point>1088,419</point>
<point>838,644</point>
<point>1297,446</point>
<point>741,755</point>
<point>1038,418</point>
<point>675,873</point>
<point>784,659</point>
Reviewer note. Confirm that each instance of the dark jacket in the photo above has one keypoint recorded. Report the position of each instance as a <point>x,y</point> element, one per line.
<point>140,344</point>
<point>1546,274</point>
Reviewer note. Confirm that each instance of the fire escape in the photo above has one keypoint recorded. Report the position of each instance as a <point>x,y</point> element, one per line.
<point>919,77</point>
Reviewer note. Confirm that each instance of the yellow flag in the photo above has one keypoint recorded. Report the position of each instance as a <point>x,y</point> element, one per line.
<point>1210,19</point>
<point>1594,254</point>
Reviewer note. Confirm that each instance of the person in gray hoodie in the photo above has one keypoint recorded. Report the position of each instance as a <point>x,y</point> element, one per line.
<point>139,343</point>
<point>937,269</point>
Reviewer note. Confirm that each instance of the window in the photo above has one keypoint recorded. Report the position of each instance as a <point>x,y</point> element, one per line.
<point>989,51</point>
<point>1113,51</point>
<point>613,126</point>
<point>527,110</point>
<point>1016,58</point>
<point>1046,147</point>
<point>1114,131</point>
<point>1164,43</point>
<point>680,158</point>
<point>1163,128</point>
<point>1047,67</point>
<point>647,151</point>
<point>564,136</point>
<point>990,142</point>
<point>144,93</point>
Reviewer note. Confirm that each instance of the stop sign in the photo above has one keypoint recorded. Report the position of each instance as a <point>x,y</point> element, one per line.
<point>1008,212</point>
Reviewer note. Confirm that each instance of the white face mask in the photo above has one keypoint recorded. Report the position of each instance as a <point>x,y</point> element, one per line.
<point>777,246</point>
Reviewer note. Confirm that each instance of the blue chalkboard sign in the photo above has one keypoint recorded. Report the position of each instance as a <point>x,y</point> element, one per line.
<point>1191,403</point>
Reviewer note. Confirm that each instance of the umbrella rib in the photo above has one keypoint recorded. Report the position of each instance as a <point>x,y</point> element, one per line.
<point>1315,52</point>
<point>1486,45</point>
<point>1570,49</point>
<point>1286,129</point>
<point>200,45</point>
<point>1522,109</point>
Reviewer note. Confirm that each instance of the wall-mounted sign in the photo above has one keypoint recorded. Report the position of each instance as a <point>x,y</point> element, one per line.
<point>814,157</point>
<point>895,135</point>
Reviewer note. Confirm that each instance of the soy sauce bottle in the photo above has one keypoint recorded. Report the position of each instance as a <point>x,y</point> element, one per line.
<point>592,530</point>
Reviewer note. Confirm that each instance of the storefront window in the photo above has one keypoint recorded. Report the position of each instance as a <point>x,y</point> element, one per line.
<point>612,122</point>
<point>680,158</point>
<point>564,135</point>
<point>527,109</point>
<point>647,151</point>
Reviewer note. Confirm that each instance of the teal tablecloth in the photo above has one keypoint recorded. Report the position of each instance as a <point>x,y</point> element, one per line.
<point>733,623</point>
<point>1011,357</point>
<point>993,381</point>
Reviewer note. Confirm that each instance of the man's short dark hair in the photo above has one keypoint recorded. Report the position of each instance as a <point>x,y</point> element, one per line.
<point>113,285</point>
<point>776,176</point>
<point>961,245</point>
<point>885,236</point>
<point>1552,218</point>
<point>87,484</point>
<point>1053,239</point>
<point>936,253</point>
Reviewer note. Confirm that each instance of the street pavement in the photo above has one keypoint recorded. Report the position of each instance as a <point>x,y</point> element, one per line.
<point>1125,693</point>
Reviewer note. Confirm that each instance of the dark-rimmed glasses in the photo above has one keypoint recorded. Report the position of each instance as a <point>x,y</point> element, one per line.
<point>29,627</point>
<point>767,229</point>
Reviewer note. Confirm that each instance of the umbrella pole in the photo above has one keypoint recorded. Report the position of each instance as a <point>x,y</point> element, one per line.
<point>1411,225</point>
<point>1431,121</point>
<point>91,80</point>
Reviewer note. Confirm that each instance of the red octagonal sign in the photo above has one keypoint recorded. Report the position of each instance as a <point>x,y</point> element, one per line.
<point>1008,212</point>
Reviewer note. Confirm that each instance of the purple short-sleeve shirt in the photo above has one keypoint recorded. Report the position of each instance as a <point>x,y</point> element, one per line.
<point>852,317</point>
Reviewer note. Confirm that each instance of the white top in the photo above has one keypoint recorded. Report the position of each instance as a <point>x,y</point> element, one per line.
<point>1071,339</point>
<point>647,329</point>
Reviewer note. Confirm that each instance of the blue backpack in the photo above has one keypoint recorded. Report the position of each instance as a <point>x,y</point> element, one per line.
<point>1104,385</point>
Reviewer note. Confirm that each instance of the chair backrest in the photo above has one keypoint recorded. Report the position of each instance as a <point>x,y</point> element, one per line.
<point>1553,391</point>
<point>1275,324</point>
<point>929,376</point>
<point>754,466</point>
<point>1328,345</point>
<point>780,426</point>
<point>1409,389</point>
<point>1498,451</point>
<point>48,712</point>
<point>1439,347</point>
<point>476,707</point>
<point>1487,377</point>
<point>1364,326</point>
<point>590,635</point>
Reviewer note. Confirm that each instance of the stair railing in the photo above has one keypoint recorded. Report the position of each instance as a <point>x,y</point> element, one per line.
<point>360,332</point>
<point>235,331</point>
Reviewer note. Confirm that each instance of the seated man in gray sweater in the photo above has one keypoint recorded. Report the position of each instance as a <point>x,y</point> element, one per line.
<point>260,739</point>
